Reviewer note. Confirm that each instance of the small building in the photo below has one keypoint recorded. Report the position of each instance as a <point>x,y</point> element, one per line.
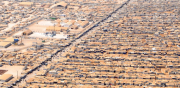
<point>5,44</point>
<point>83,24</point>
<point>42,73</point>
<point>26,3</point>
<point>27,32</point>
<point>72,7</point>
<point>62,4</point>
<point>53,72</point>
<point>6,77</point>
<point>74,27</point>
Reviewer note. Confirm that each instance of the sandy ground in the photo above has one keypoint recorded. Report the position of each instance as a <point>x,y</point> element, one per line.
<point>45,23</point>
<point>37,28</point>
<point>27,43</point>
<point>14,70</point>
<point>40,26</point>
<point>41,35</point>
<point>19,33</point>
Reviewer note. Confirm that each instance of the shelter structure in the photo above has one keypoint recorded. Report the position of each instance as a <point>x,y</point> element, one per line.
<point>26,3</point>
<point>4,44</point>
<point>62,4</point>
<point>27,32</point>
<point>6,77</point>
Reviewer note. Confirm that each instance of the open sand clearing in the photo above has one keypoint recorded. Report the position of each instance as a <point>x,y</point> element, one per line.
<point>19,33</point>
<point>27,43</point>
<point>14,70</point>
<point>37,28</point>
<point>46,23</point>
<point>41,35</point>
<point>40,26</point>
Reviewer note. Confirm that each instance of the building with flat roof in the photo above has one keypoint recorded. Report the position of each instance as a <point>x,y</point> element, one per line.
<point>6,77</point>
<point>26,3</point>
<point>5,44</point>
<point>62,4</point>
<point>83,24</point>
<point>27,32</point>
